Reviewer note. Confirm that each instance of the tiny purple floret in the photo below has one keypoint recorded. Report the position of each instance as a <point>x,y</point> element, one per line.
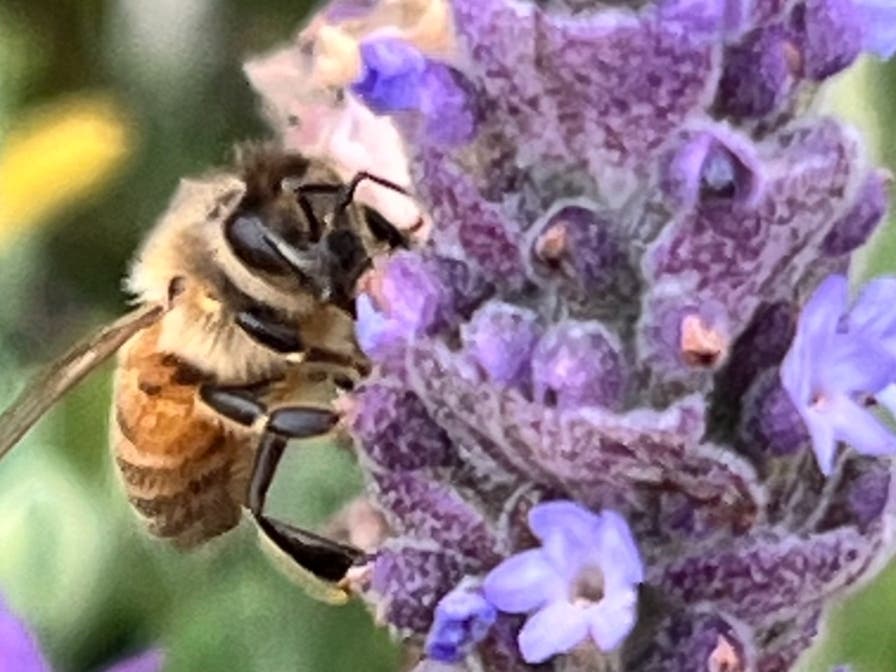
<point>581,583</point>
<point>21,652</point>
<point>830,374</point>
<point>403,300</point>
<point>19,649</point>
<point>391,76</point>
<point>462,619</point>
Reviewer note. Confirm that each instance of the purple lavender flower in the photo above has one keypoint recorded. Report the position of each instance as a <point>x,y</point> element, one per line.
<point>501,339</point>
<point>604,334</point>
<point>829,372</point>
<point>393,70</point>
<point>581,583</point>
<point>388,313</point>
<point>578,364</point>
<point>19,649</point>
<point>879,25</point>
<point>462,619</point>
<point>20,652</point>
<point>396,77</point>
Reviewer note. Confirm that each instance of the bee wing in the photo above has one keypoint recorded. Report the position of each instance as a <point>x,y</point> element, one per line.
<point>66,372</point>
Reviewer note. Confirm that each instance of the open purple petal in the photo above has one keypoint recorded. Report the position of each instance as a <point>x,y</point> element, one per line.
<point>613,618</point>
<point>564,517</point>
<point>872,313</point>
<point>823,311</point>
<point>557,628</point>
<point>815,332</point>
<point>860,429</point>
<point>620,559</point>
<point>824,444</point>
<point>569,534</point>
<point>524,582</point>
<point>856,365</point>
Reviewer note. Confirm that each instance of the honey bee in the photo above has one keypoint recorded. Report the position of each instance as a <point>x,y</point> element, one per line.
<point>242,338</point>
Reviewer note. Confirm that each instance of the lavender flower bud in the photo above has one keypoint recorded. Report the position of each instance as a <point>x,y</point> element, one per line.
<point>829,33</point>
<point>501,339</point>
<point>462,619</point>
<point>577,364</point>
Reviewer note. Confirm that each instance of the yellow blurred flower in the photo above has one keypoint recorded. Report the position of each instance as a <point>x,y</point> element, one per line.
<point>58,155</point>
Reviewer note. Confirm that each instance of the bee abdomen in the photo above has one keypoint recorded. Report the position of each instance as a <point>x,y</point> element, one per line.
<point>184,471</point>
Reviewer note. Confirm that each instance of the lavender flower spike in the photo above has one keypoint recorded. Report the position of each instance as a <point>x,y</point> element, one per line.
<point>582,582</point>
<point>599,334</point>
<point>828,372</point>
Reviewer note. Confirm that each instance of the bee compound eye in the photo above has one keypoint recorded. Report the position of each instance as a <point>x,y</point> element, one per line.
<point>248,238</point>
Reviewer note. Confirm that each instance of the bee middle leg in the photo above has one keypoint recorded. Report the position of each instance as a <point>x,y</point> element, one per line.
<point>326,559</point>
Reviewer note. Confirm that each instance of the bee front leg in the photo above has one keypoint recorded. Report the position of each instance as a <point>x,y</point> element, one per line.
<point>271,331</point>
<point>348,191</point>
<point>283,336</point>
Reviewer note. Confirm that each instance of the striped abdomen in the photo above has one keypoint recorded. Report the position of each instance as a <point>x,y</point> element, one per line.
<point>184,470</point>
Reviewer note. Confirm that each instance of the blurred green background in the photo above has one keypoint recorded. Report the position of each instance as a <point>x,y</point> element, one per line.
<point>104,104</point>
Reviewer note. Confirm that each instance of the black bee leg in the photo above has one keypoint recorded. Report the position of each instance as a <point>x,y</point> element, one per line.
<point>379,225</point>
<point>241,405</point>
<point>348,191</point>
<point>384,230</point>
<point>271,330</point>
<point>324,558</point>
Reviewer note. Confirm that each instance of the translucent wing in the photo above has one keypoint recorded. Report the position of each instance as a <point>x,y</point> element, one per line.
<point>66,372</point>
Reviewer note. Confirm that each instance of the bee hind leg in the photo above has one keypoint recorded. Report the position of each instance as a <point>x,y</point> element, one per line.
<point>327,560</point>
